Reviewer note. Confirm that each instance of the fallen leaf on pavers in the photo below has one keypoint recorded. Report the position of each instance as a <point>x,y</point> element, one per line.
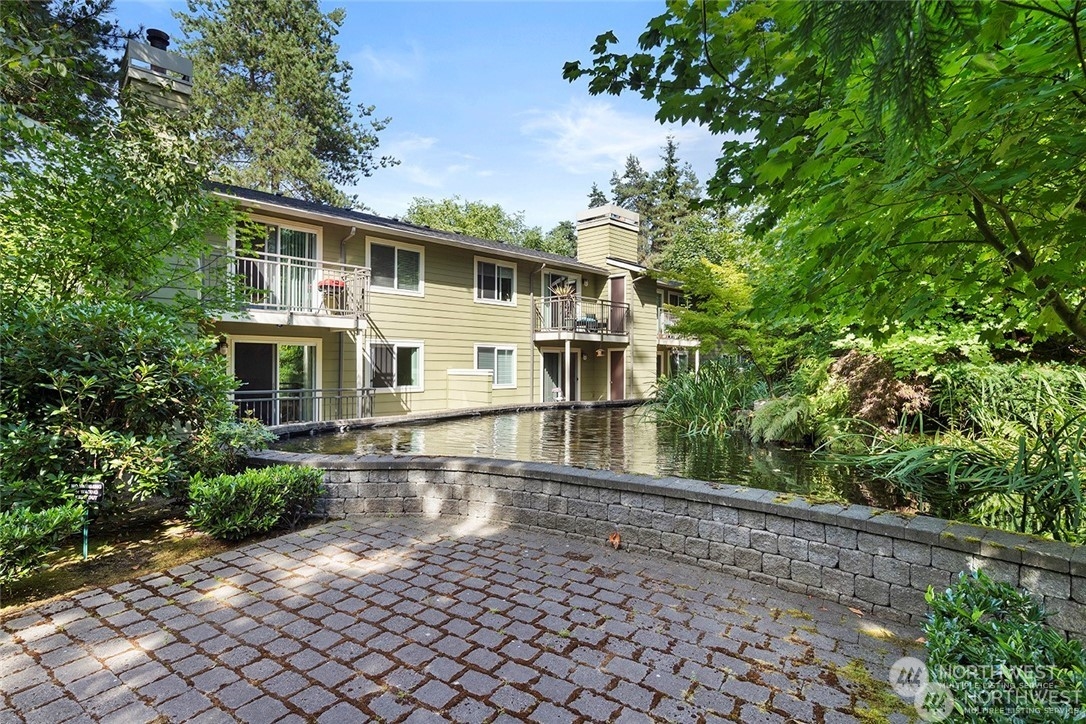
<point>615,539</point>
<point>856,611</point>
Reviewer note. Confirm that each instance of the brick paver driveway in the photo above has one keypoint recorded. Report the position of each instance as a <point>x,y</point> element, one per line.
<point>393,619</point>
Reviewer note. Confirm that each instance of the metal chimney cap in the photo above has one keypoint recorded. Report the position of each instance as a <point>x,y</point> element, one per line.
<point>158,39</point>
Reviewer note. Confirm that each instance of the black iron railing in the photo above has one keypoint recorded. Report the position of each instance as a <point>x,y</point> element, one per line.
<point>284,407</point>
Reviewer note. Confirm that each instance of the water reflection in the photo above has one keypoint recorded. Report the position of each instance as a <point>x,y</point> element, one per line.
<point>619,439</point>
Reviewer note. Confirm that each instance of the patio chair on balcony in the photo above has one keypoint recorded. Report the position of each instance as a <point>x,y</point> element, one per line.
<point>588,323</point>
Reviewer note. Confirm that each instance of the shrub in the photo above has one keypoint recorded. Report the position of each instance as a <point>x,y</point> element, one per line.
<point>27,535</point>
<point>109,393</point>
<point>790,420</point>
<point>875,394</point>
<point>218,449</point>
<point>1016,463</point>
<point>233,507</point>
<point>985,638</point>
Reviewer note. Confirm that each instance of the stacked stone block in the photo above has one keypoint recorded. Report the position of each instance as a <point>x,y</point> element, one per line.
<point>859,556</point>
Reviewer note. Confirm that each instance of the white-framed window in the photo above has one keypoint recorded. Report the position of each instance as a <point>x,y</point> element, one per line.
<point>396,267</point>
<point>276,377</point>
<point>396,366</point>
<point>499,359</point>
<point>495,281</point>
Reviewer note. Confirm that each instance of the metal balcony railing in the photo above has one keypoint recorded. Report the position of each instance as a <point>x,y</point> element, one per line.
<point>284,407</point>
<point>580,314</point>
<point>664,322</point>
<point>278,283</point>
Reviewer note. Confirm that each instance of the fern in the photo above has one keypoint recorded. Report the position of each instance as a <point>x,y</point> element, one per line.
<point>784,419</point>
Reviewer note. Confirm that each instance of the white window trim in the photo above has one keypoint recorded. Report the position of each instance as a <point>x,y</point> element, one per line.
<point>573,352</point>
<point>398,245</point>
<point>282,224</point>
<point>496,347</point>
<point>298,341</point>
<point>397,343</point>
<point>475,281</point>
<point>570,275</point>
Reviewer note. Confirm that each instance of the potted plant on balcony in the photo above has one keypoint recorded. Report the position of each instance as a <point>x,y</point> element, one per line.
<point>565,295</point>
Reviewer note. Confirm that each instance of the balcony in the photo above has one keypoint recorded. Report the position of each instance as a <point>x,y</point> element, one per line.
<point>280,288</point>
<point>580,318</point>
<point>286,407</point>
<point>665,337</point>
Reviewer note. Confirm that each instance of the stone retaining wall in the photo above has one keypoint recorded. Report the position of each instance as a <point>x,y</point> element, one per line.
<point>859,556</point>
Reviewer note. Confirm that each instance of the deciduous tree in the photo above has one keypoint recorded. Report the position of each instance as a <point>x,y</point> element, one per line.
<point>908,155</point>
<point>58,68</point>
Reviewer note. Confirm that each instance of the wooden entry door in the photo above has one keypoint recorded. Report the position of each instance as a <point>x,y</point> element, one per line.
<point>618,374</point>
<point>618,313</point>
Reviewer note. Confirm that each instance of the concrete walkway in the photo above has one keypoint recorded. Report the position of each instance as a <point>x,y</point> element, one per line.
<point>431,620</point>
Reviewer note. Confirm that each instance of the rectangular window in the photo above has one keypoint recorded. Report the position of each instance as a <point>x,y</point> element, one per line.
<point>395,267</point>
<point>494,282</point>
<point>502,361</point>
<point>396,366</point>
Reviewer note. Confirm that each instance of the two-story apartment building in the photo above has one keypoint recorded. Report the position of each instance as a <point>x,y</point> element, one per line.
<point>351,314</point>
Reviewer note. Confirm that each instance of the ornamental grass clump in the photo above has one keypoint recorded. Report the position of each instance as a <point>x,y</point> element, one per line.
<point>1016,465</point>
<point>712,401</point>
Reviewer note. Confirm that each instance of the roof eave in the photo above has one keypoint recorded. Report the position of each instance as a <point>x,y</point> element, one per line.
<point>508,250</point>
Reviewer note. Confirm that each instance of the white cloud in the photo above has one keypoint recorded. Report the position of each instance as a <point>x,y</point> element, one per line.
<point>391,65</point>
<point>406,145</point>
<point>592,136</point>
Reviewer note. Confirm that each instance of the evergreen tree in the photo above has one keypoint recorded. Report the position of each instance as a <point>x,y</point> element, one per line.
<point>633,190</point>
<point>596,197</point>
<point>674,200</point>
<point>268,78</point>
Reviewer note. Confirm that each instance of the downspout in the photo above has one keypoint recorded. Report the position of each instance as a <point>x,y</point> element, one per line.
<point>531,322</point>
<point>342,333</point>
<point>343,245</point>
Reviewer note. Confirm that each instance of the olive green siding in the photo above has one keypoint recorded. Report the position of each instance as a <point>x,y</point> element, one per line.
<point>593,245</point>
<point>448,322</point>
<point>468,388</point>
<point>641,367</point>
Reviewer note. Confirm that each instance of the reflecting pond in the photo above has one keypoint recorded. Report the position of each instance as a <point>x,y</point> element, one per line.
<point>619,439</point>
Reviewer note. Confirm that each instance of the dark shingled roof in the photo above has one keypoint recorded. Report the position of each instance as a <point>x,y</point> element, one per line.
<point>351,216</point>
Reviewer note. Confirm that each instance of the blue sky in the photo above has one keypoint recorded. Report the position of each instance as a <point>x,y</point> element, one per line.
<point>478,105</point>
